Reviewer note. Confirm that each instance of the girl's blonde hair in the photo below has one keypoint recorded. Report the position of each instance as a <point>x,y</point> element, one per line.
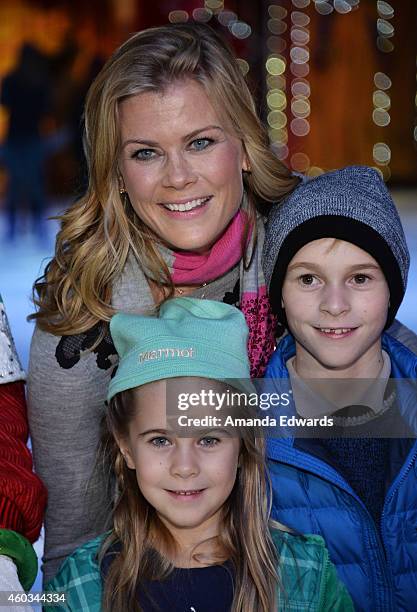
<point>244,535</point>
<point>98,231</point>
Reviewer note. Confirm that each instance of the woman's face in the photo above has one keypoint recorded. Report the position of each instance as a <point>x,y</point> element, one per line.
<point>181,167</point>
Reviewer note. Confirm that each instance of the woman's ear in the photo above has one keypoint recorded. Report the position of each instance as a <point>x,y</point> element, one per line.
<point>282,304</point>
<point>245,162</point>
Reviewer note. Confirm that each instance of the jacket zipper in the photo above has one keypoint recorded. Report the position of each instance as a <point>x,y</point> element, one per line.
<point>395,486</point>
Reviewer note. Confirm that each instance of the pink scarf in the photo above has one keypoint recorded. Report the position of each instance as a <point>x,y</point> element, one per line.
<point>194,269</point>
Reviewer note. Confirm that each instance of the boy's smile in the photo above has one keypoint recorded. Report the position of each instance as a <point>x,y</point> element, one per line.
<point>336,301</point>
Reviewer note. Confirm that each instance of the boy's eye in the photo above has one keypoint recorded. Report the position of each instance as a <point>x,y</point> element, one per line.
<point>201,143</point>
<point>209,441</point>
<point>160,441</point>
<point>144,154</point>
<point>308,280</point>
<point>361,279</point>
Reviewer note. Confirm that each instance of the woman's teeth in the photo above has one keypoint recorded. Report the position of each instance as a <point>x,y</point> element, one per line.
<point>187,206</point>
<point>187,492</point>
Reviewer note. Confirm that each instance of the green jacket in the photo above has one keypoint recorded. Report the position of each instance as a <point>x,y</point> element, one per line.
<point>309,579</point>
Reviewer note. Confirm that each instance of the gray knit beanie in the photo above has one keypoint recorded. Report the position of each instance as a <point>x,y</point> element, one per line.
<point>352,204</point>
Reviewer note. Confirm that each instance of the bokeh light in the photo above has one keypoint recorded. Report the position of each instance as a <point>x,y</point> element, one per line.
<point>243,65</point>
<point>300,87</point>
<point>381,153</point>
<point>276,99</point>
<point>278,135</point>
<point>314,171</point>
<point>178,16</point>
<point>275,65</point>
<point>202,14</point>
<point>300,127</point>
<point>240,29</point>
<point>300,19</point>
<point>299,55</point>
<point>300,162</point>
<point>300,36</point>
<point>277,12</point>
<point>323,7</point>
<point>381,117</point>
<point>300,107</point>
<point>280,150</point>
<point>381,100</point>
<point>382,81</point>
<point>301,3</point>
<point>385,28</point>
<point>226,17</point>
<point>341,6</point>
<point>385,9</point>
<point>214,5</point>
<point>277,26</point>
<point>299,70</point>
<point>277,119</point>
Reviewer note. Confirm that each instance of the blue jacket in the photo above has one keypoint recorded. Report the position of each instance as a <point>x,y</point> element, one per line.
<point>378,564</point>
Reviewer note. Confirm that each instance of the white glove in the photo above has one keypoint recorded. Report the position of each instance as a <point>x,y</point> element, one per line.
<point>9,581</point>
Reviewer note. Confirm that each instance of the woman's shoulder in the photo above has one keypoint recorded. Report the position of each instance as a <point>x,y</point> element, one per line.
<point>79,578</point>
<point>307,575</point>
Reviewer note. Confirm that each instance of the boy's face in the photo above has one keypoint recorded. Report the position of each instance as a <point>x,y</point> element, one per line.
<point>336,302</point>
<point>186,480</point>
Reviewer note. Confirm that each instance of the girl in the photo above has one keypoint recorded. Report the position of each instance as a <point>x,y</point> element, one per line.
<point>190,527</point>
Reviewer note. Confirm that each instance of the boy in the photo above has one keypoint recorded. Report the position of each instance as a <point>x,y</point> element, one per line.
<point>336,263</point>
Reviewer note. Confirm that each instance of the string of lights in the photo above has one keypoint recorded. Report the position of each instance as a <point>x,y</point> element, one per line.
<point>276,66</point>
<point>381,96</point>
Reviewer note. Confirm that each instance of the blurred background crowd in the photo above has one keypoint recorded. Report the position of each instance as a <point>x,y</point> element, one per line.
<point>335,81</point>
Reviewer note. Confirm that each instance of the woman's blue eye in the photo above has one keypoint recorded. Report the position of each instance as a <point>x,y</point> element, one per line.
<point>144,154</point>
<point>201,143</point>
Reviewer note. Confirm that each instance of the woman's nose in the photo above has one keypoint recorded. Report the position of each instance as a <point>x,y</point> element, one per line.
<point>178,172</point>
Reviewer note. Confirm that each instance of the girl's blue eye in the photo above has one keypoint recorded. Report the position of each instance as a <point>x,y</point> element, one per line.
<point>209,442</point>
<point>201,143</point>
<point>144,154</point>
<point>160,441</point>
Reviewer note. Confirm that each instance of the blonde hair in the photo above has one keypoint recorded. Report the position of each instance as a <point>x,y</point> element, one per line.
<point>98,231</point>
<point>244,533</point>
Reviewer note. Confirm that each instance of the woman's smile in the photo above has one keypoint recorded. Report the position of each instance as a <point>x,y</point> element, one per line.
<point>181,166</point>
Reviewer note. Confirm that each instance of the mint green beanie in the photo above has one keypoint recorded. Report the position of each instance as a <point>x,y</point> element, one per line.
<point>190,337</point>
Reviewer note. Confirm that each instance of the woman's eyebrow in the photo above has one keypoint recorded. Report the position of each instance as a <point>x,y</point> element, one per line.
<point>154,143</point>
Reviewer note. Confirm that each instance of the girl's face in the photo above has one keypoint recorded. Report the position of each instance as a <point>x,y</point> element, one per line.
<point>186,480</point>
<point>180,165</point>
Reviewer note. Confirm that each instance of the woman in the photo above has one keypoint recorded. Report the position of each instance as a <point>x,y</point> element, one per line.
<point>178,164</point>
